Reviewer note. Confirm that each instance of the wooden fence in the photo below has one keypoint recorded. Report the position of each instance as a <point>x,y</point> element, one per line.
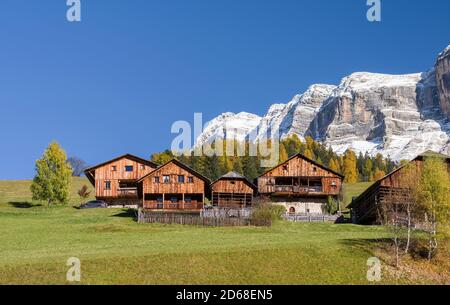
<point>310,218</point>
<point>226,213</point>
<point>196,219</point>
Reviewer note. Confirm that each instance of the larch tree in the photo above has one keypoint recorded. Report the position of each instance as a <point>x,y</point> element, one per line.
<point>53,173</point>
<point>334,165</point>
<point>378,175</point>
<point>350,169</point>
<point>433,196</point>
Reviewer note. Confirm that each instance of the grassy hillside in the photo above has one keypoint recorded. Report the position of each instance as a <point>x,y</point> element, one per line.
<point>37,241</point>
<point>354,190</point>
<point>18,192</point>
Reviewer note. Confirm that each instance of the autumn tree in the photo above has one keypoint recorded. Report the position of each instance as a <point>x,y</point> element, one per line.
<point>350,170</point>
<point>162,158</point>
<point>52,180</point>
<point>378,175</point>
<point>334,165</point>
<point>433,197</point>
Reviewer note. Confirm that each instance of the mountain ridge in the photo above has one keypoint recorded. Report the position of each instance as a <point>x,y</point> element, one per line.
<point>397,115</point>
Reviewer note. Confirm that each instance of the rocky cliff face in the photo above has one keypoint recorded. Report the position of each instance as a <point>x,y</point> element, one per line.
<point>392,114</point>
<point>443,81</point>
<point>399,116</point>
<point>295,116</point>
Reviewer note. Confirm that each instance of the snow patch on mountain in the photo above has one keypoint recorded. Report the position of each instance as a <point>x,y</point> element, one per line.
<point>229,125</point>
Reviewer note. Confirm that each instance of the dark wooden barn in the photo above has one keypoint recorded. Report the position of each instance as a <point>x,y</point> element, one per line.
<point>366,208</point>
<point>232,191</point>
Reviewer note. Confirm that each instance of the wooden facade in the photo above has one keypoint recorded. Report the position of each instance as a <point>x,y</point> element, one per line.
<point>365,209</point>
<point>300,176</point>
<point>232,191</point>
<point>115,181</point>
<point>173,187</point>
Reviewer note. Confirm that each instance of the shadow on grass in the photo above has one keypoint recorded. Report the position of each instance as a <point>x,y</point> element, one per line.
<point>368,245</point>
<point>128,213</point>
<point>24,205</point>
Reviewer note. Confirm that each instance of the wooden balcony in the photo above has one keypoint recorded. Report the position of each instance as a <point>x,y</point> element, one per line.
<point>168,205</point>
<point>127,192</point>
<point>298,189</point>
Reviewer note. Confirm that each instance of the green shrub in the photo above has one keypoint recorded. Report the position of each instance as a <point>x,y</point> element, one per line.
<point>266,213</point>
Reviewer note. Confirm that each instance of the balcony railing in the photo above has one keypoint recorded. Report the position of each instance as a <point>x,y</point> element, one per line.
<point>298,189</point>
<point>127,192</point>
<point>168,205</point>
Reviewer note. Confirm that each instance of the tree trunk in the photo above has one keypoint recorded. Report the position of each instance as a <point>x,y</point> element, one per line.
<point>408,238</point>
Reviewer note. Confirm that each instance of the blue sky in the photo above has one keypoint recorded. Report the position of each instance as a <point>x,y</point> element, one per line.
<point>117,80</point>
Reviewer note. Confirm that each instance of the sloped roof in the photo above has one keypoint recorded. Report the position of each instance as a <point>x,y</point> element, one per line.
<point>232,175</point>
<point>180,164</point>
<point>129,156</point>
<point>307,159</point>
<point>430,154</point>
<point>235,176</point>
<point>90,175</point>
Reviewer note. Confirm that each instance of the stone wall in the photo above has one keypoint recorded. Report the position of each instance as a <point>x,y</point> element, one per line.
<point>314,206</point>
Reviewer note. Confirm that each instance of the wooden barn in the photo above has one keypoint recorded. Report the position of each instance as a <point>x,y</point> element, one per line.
<point>232,191</point>
<point>302,185</point>
<point>365,209</point>
<point>173,187</point>
<point>115,181</point>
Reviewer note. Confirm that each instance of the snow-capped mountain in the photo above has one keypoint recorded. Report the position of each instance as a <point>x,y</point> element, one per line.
<point>229,126</point>
<point>399,116</point>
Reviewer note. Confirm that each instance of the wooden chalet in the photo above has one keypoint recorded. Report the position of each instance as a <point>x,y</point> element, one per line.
<point>173,187</point>
<point>365,209</point>
<point>115,181</point>
<point>232,191</point>
<point>302,185</point>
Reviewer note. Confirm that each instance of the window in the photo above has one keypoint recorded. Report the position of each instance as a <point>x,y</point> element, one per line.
<point>142,167</point>
<point>180,179</point>
<point>159,199</point>
<point>114,168</point>
<point>187,199</point>
<point>166,179</point>
<point>107,185</point>
<point>156,179</point>
<point>174,199</point>
<point>292,210</point>
<point>129,168</point>
<point>191,179</point>
<point>314,169</point>
<point>233,182</point>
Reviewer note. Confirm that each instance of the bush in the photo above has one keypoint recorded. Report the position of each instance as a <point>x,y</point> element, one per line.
<point>265,213</point>
<point>332,206</point>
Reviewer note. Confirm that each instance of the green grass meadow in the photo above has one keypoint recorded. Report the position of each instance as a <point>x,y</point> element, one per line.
<point>37,240</point>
